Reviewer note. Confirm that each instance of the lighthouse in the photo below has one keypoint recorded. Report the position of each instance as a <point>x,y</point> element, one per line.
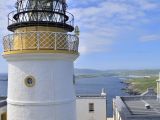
<point>158,88</point>
<point>40,54</point>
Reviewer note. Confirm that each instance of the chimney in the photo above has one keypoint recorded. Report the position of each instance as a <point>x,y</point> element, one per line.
<point>147,106</point>
<point>103,92</point>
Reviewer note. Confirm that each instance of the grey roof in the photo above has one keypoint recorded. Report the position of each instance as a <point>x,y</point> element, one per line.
<point>3,101</point>
<point>133,107</point>
<point>90,96</point>
<point>138,107</point>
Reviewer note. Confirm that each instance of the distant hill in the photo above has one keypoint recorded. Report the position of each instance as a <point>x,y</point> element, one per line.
<point>147,71</point>
<point>120,72</point>
<point>76,70</point>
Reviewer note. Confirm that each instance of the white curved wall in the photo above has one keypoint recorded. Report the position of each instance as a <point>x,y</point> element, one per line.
<point>51,98</point>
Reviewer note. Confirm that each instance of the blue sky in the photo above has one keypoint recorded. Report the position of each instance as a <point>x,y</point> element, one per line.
<point>114,34</point>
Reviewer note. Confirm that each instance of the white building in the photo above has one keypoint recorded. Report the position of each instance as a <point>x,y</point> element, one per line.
<point>91,107</point>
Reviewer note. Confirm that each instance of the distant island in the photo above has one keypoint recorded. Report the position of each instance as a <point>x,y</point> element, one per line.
<point>3,79</point>
<point>86,71</point>
<point>90,76</point>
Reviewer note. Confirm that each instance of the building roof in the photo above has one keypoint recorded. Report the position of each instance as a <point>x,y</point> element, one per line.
<point>90,96</point>
<point>138,107</point>
<point>133,107</point>
<point>3,101</point>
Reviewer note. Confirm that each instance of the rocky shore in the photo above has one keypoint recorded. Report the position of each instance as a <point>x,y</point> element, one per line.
<point>3,79</point>
<point>128,90</point>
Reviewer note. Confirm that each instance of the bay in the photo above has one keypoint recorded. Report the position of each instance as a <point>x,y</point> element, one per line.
<point>3,84</point>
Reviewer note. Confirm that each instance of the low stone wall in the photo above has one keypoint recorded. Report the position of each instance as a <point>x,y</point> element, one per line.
<point>3,103</point>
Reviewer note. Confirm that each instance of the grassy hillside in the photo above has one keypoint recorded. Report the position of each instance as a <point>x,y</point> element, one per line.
<point>146,72</point>
<point>142,84</point>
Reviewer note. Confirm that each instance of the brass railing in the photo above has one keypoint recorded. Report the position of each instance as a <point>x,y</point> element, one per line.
<point>40,40</point>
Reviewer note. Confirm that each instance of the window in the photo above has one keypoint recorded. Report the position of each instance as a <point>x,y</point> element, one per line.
<point>29,81</point>
<point>3,116</point>
<point>91,107</point>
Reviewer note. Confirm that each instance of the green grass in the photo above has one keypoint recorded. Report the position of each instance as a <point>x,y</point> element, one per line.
<point>142,84</point>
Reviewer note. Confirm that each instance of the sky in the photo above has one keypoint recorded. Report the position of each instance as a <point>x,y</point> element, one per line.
<point>114,34</point>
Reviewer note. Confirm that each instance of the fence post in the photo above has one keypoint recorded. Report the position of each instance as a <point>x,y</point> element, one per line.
<point>9,43</point>
<point>8,20</point>
<point>55,41</point>
<point>38,40</point>
<point>69,42</point>
<point>21,42</point>
<point>3,44</point>
<point>77,43</point>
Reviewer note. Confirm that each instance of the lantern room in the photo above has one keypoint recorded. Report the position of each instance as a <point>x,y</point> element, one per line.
<point>40,25</point>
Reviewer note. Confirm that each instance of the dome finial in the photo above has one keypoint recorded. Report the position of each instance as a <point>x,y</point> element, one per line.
<point>76,30</point>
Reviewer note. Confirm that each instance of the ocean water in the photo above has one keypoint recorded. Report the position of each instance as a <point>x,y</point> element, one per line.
<point>88,86</point>
<point>3,84</point>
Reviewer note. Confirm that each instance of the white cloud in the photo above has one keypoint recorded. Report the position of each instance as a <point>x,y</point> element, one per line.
<point>83,50</point>
<point>94,42</point>
<point>101,24</point>
<point>146,4</point>
<point>5,9</point>
<point>149,38</point>
<point>74,3</point>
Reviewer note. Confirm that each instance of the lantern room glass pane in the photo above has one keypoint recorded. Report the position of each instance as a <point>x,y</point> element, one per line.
<point>40,5</point>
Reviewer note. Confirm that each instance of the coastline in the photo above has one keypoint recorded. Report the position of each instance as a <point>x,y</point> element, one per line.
<point>129,86</point>
<point>90,76</point>
<point>3,80</point>
<point>107,75</point>
<point>137,86</point>
<point>128,89</point>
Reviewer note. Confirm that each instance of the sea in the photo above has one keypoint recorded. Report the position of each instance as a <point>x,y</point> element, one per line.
<point>92,85</point>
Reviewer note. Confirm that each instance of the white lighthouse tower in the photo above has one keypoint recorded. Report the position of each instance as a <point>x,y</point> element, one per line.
<point>40,55</point>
